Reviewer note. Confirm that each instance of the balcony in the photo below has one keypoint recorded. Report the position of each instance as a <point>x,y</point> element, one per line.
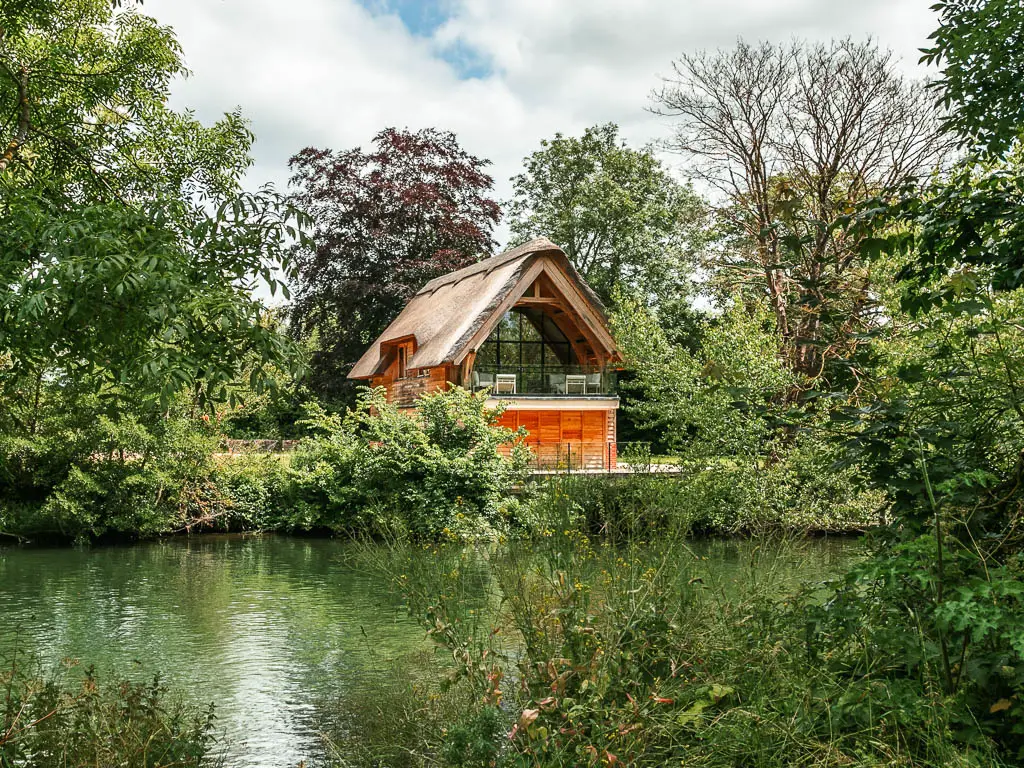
<point>547,380</point>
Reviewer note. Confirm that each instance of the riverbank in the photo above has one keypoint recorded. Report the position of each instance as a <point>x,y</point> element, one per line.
<point>569,649</point>
<point>261,494</point>
<point>289,637</point>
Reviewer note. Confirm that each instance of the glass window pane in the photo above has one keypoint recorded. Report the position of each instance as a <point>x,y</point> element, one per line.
<point>487,355</point>
<point>531,381</point>
<point>509,326</point>
<point>532,353</point>
<point>530,332</point>
<point>509,354</point>
<point>551,331</point>
<point>556,354</point>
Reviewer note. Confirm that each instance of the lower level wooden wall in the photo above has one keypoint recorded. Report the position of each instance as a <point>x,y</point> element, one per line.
<point>558,439</point>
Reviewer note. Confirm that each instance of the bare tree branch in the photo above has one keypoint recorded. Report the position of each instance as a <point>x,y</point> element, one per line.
<point>792,137</point>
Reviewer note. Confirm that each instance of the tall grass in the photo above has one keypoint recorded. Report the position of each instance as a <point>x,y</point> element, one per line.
<point>717,499</point>
<point>578,650</point>
<point>67,718</point>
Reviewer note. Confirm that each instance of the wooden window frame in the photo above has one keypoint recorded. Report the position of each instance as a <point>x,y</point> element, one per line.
<point>403,362</point>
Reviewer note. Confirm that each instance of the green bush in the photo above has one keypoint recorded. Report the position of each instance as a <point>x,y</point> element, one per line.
<point>630,506</point>
<point>433,472</point>
<point>68,720</point>
<point>254,491</point>
<point>966,649</point>
<point>474,741</point>
<point>801,491</point>
<point>138,474</point>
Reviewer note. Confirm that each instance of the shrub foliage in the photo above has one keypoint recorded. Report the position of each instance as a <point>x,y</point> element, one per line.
<point>444,469</point>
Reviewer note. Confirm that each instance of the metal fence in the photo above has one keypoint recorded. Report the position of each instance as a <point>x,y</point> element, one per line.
<point>562,380</point>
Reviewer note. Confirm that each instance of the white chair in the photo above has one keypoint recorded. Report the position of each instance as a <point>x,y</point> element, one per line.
<point>575,384</point>
<point>593,382</point>
<point>556,383</point>
<point>482,380</point>
<point>505,384</point>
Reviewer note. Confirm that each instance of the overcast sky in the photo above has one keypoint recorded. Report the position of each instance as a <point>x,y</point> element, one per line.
<point>501,74</point>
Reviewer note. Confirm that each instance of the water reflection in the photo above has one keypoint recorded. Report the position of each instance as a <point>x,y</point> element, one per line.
<point>270,628</point>
<point>265,627</point>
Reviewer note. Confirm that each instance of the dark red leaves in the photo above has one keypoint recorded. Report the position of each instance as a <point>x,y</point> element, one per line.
<point>385,222</point>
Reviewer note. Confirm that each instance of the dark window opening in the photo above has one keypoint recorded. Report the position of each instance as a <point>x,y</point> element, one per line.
<point>531,345</point>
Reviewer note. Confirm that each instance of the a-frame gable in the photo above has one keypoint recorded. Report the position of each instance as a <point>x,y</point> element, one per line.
<point>587,318</point>
<point>452,315</point>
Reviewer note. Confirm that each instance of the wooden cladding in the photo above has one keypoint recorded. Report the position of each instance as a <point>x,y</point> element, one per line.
<point>404,391</point>
<point>577,439</point>
<point>559,439</point>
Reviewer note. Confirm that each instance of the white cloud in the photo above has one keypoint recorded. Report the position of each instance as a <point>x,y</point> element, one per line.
<point>332,73</point>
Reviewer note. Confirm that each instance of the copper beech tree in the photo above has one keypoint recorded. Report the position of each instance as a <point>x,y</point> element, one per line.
<point>386,221</point>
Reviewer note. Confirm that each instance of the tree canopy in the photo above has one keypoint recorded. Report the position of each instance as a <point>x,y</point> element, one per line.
<point>384,223</point>
<point>129,254</point>
<point>980,47</point>
<point>621,218</point>
<point>128,251</point>
<point>792,137</point>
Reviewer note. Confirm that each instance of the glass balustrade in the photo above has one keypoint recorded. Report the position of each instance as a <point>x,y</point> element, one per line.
<point>554,380</point>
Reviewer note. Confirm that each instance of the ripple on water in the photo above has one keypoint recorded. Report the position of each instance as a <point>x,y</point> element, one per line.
<point>266,627</point>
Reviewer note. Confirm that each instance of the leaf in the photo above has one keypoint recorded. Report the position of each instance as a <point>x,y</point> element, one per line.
<point>527,717</point>
<point>693,712</point>
<point>719,692</point>
<point>999,706</point>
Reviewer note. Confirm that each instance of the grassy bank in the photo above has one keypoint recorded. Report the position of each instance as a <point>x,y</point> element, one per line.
<point>373,471</point>
<point>263,493</point>
<point>576,651</point>
<point>68,717</point>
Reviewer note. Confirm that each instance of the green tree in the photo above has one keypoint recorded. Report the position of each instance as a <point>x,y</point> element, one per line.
<point>938,416</point>
<point>622,220</point>
<point>980,48</point>
<point>691,395</point>
<point>128,250</point>
<point>386,222</point>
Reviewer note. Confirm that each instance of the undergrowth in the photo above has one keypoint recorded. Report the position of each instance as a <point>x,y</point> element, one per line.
<point>68,718</point>
<point>582,651</point>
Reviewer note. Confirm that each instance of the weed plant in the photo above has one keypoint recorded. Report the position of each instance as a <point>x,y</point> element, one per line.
<point>68,719</point>
<point>577,651</point>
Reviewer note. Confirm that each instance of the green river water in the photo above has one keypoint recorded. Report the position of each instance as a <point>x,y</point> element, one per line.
<point>272,629</point>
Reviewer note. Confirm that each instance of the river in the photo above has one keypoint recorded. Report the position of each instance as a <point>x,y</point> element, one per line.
<point>271,628</point>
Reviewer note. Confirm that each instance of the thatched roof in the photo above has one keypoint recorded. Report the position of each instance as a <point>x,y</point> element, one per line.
<point>450,311</point>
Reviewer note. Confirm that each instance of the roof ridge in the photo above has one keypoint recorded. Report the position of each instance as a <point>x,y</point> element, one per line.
<point>537,245</point>
<point>448,312</point>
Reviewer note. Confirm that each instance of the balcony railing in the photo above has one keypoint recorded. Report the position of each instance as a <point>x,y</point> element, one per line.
<point>556,381</point>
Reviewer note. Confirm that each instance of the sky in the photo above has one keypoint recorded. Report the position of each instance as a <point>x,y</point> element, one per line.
<point>501,74</point>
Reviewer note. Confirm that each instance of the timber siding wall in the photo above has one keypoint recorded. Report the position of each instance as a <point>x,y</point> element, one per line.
<point>403,392</point>
<point>580,439</point>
